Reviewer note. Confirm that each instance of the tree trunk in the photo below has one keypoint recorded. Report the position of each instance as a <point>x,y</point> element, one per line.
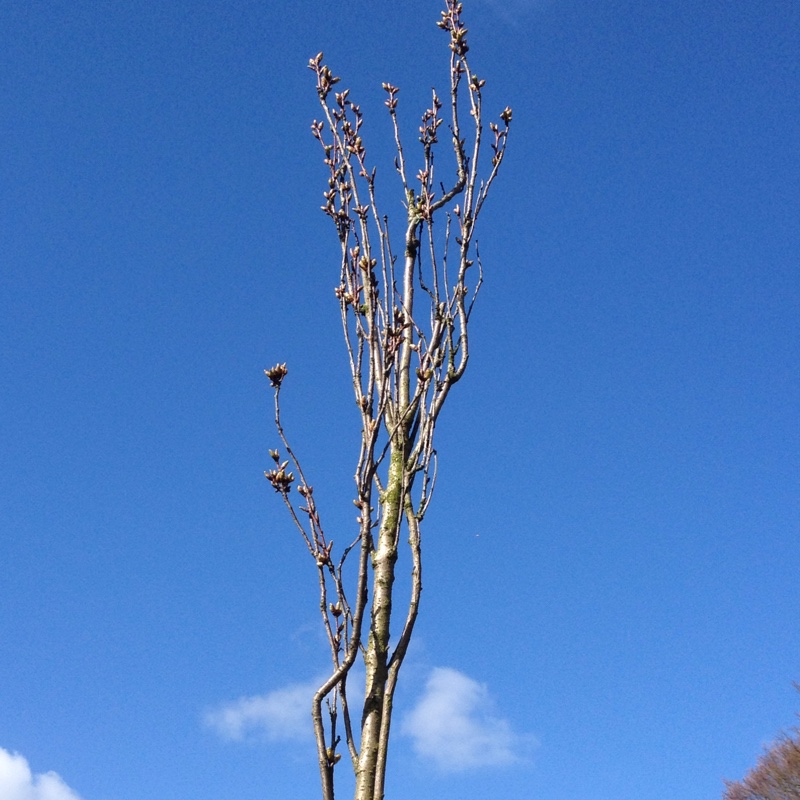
<point>384,559</point>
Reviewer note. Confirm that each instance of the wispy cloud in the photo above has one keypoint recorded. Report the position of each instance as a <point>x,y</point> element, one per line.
<point>453,725</point>
<point>17,782</point>
<point>281,714</point>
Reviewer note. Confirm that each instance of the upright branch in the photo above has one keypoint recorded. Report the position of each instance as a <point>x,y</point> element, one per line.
<point>405,317</point>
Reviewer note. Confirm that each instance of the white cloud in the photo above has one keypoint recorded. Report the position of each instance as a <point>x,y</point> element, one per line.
<point>280,714</point>
<point>453,725</point>
<point>18,783</point>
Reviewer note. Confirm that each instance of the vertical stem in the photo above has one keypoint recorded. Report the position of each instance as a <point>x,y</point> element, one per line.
<point>384,559</point>
<point>396,661</point>
<point>404,367</point>
<point>325,767</point>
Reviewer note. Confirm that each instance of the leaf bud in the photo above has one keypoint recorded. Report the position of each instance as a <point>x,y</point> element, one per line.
<point>276,374</point>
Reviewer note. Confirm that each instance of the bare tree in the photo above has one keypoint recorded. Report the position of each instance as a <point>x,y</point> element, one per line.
<point>776,776</point>
<point>405,317</point>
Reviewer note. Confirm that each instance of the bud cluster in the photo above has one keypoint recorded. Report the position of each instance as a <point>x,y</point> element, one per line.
<point>326,80</point>
<point>500,136</point>
<point>451,22</point>
<point>430,123</point>
<point>280,479</point>
<point>276,375</point>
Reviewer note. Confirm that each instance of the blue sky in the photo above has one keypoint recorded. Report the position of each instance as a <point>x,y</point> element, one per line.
<point>610,608</point>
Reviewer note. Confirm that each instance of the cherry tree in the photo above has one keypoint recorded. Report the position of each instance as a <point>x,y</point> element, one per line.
<point>406,291</point>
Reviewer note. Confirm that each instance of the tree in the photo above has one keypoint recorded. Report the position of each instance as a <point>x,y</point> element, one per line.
<point>405,316</point>
<point>776,776</point>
